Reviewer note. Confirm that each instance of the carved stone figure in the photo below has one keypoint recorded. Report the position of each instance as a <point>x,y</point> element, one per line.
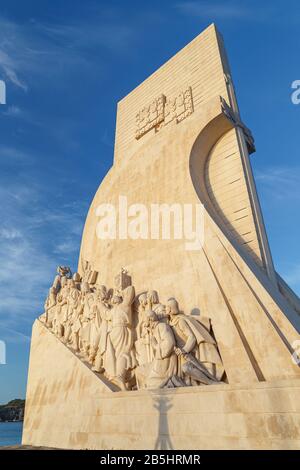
<point>162,365</point>
<point>103,307</point>
<point>50,306</point>
<point>155,305</point>
<point>64,271</point>
<point>71,315</point>
<point>61,307</point>
<point>122,280</point>
<point>87,300</point>
<point>76,322</point>
<point>198,357</point>
<point>142,308</point>
<point>142,344</point>
<point>103,337</point>
<point>89,275</point>
<point>96,327</point>
<point>119,358</point>
<point>56,283</point>
<point>77,279</point>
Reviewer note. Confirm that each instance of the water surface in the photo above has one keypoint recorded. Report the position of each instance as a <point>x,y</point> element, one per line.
<point>11,433</point>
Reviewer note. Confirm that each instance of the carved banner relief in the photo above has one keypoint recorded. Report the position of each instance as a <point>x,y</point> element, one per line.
<point>164,110</point>
<point>150,116</point>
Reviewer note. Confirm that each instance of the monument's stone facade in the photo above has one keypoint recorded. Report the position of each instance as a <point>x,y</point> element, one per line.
<point>185,348</point>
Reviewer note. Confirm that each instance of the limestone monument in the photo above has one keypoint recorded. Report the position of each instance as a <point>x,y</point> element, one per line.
<point>162,340</point>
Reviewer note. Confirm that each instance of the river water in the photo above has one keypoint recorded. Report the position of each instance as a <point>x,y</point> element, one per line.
<point>11,433</point>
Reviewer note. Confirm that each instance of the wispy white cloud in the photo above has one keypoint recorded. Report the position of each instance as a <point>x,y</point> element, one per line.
<point>34,49</point>
<point>23,276</point>
<point>35,236</point>
<point>282,183</point>
<point>14,154</point>
<point>9,233</point>
<point>10,68</point>
<point>87,35</point>
<point>66,247</point>
<point>45,57</point>
<point>13,336</point>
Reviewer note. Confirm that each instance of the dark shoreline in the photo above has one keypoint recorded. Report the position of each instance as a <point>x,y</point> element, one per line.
<point>13,411</point>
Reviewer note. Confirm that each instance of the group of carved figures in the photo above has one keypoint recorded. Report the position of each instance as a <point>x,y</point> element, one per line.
<point>135,341</point>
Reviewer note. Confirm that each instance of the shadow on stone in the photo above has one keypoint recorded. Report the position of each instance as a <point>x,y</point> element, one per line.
<point>163,404</point>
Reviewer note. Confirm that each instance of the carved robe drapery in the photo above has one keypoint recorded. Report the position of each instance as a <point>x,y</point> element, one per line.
<point>191,335</point>
<point>157,373</point>
<point>119,356</point>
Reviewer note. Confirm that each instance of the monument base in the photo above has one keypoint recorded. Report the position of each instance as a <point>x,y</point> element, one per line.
<point>70,407</point>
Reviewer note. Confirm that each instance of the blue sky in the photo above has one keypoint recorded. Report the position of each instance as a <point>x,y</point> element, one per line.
<point>66,64</point>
